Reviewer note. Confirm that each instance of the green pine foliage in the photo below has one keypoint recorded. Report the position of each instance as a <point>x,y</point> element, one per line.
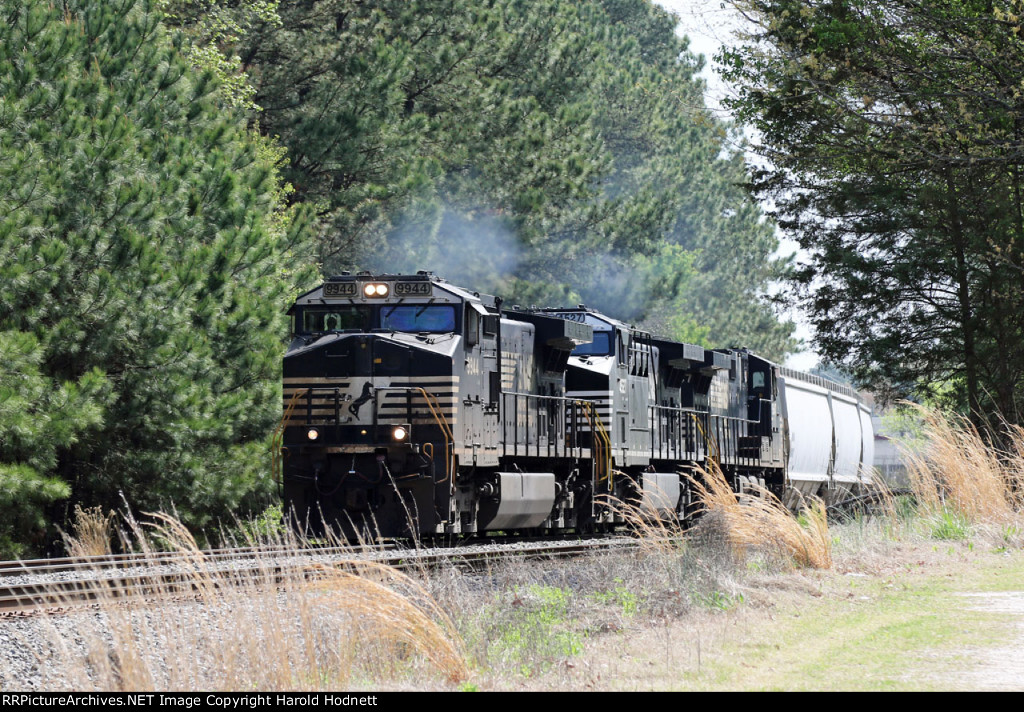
<point>145,257</point>
<point>39,418</point>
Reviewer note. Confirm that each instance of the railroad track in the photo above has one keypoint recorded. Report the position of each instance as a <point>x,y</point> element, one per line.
<point>31,587</point>
<point>124,561</point>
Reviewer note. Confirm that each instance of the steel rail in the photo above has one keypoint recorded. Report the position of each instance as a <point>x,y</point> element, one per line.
<point>116,561</point>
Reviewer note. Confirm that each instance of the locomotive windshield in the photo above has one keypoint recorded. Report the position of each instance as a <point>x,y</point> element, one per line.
<point>413,318</point>
<point>600,346</point>
<point>432,319</point>
<point>337,318</point>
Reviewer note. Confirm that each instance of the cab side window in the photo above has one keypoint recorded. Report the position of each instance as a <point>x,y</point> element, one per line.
<point>472,322</point>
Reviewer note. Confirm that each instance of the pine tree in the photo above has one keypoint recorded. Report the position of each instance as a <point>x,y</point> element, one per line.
<point>38,418</point>
<point>145,262</point>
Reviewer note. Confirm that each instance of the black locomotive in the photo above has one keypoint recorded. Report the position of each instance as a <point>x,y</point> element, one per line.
<point>414,407</point>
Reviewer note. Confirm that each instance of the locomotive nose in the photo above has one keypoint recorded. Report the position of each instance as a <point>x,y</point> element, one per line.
<point>352,355</point>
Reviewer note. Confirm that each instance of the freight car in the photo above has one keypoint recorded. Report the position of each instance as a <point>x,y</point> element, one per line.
<point>415,407</point>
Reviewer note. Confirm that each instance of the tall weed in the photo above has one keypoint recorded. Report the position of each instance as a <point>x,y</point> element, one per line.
<point>957,471</point>
<point>91,533</point>
<point>762,522</point>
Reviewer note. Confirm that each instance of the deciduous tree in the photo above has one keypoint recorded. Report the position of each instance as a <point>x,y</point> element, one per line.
<point>894,132</point>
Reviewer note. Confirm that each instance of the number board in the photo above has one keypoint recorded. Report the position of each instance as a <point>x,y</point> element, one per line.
<point>580,317</point>
<point>413,289</point>
<point>583,318</point>
<point>339,289</point>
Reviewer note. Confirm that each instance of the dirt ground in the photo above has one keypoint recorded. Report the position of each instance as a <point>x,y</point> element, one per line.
<point>1000,667</point>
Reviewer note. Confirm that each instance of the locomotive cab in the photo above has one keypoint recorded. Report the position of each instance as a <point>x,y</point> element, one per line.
<point>383,376</point>
<point>618,371</point>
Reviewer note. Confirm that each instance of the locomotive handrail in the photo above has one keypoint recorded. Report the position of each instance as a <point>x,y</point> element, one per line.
<point>723,433</point>
<point>449,436</point>
<point>667,415</point>
<point>277,439</point>
<point>602,461</point>
<point>728,436</point>
<point>562,401</point>
<point>712,446</point>
<point>734,418</point>
<point>567,399</point>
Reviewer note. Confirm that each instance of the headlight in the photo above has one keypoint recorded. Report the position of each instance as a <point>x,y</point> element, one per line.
<point>376,289</point>
<point>400,433</point>
<point>312,433</point>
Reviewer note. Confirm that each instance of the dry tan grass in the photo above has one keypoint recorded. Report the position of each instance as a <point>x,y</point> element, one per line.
<point>91,533</point>
<point>313,627</point>
<point>656,535</point>
<point>957,469</point>
<point>763,523</point>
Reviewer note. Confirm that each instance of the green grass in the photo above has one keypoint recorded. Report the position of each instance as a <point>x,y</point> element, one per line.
<point>531,631</point>
<point>621,597</point>
<point>950,525</point>
<point>717,600</point>
<point>906,632</point>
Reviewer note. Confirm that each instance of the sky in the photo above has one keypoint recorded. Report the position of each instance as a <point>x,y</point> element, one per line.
<point>709,24</point>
